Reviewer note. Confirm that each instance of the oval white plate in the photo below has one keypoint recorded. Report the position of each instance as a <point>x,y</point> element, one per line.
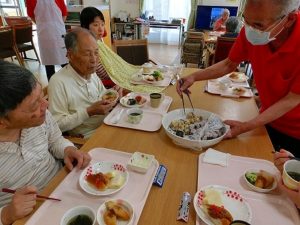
<point>124,100</point>
<point>257,189</point>
<point>102,209</point>
<point>232,201</point>
<point>103,167</point>
<point>152,82</point>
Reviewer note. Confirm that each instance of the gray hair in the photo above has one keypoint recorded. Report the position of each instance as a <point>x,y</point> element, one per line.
<point>226,11</point>
<point>71,38</point>
<point>232,24</point>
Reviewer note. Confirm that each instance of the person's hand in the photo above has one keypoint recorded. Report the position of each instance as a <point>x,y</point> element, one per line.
<point>186,83</point>
<point>100,107</point>
<point>293,195</point>
<point>236,128</point>
<point>72,154</point>
<point>280,158</point>
<point>119,90</point>
<point>22,204</point>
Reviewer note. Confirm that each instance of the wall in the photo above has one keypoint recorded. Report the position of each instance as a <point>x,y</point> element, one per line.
<point>219,2</point>
<point>130,6</point>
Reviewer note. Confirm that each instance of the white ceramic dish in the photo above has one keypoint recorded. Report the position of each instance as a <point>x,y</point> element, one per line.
<point>257,189</point>
<point>111,92</point>
<point>103,167</point>
<point>231,200</point>
<point>76,211</point>
<point>124,100</point>
<point>124,203</point>
<point>140,162</point>
<point>237,77</point>
<point>146,79</point>
<point>291,166</point>
<point>186,142</point>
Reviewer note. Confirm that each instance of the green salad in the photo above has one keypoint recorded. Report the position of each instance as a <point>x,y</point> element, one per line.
<point>251,177</point>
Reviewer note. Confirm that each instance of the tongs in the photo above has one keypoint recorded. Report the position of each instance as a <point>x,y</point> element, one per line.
<point>186,91</point>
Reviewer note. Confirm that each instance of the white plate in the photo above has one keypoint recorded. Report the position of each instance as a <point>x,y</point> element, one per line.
<point>152,82</point>
<point>103,167</point>
<point>257,189</point>
<point>102,209</point>
<point>232,201</point>
<point>124,100</point>
<point>113,92</point>
<point>241,77</point>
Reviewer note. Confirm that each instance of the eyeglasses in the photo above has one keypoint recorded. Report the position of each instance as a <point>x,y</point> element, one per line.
<point>274,24</point>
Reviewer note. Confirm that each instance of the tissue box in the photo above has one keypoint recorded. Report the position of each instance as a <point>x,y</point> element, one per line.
<point>140,162</point>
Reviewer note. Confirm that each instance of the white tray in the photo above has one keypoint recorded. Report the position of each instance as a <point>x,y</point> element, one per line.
<point>214,88</point>
<point>267,208</point>
<point>152,117</point>
<point>136,191</point>
<point>137,78</point>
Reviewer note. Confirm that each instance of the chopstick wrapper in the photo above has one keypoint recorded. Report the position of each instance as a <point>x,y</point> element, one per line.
<point>215,157</point>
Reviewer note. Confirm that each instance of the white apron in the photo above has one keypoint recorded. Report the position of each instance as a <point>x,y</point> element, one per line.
<point>50,28</point>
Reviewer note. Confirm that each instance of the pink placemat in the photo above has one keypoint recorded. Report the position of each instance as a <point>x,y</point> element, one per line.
<point>267,209</point>
<point>136,191</point>
<point>152,117</point>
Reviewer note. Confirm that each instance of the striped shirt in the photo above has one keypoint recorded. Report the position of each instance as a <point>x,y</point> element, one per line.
<point>33,161</point>
<point>104,77</point>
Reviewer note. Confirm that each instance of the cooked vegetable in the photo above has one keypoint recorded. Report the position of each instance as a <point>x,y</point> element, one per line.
<point>251,177</point>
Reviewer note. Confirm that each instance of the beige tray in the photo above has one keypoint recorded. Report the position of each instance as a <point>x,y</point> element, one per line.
<point>136,191</point>
<point>137,78</point>
<point>267,208</point>
<point>152,117</point>
<point>214,88</point>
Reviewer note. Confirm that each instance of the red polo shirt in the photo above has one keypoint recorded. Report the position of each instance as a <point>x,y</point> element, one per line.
<point>275,74</point>
<point>30,4</point>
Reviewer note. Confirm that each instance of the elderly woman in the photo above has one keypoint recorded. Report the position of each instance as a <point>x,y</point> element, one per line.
<point>92,19</point>
<point>220,23</point>
<point>232,27</point>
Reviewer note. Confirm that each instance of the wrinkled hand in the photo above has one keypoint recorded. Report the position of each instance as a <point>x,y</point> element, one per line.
<point>100,107</point>
<point>293,195</point>
<point>72,154</point>
<point>280,158</point>
<point>22,204</point>
<point>236,128</point>
<point>186,83</point>
<point>119,90</point>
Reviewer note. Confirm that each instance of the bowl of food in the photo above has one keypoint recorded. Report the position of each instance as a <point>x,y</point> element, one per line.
<point>110,95</point>
<point>291,174</point>
<point>140,162</point>
<point>238,90</point>
<point>133,100</point>
<point>260,180</point>
<point>134,115</point>
<point>147,68</point>
<point>79,215</point>
<point>154,77</point>
<point>237,77</point>
<point>195,129</point>
<point>115,212</point>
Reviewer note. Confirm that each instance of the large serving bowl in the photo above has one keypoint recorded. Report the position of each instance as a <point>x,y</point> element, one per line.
<point>184,141</point>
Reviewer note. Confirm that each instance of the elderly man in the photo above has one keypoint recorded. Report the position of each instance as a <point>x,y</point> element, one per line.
<point>31,144</point>
<point>270,41</point>
<point>220,23</point>
<point>75,91</point>
<point>232,27</point>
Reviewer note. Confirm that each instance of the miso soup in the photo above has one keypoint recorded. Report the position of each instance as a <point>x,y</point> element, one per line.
<point>80,220</point>
<point>294,175</point>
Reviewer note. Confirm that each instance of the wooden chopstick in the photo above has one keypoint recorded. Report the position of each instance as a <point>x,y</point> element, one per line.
<point>7,190</point>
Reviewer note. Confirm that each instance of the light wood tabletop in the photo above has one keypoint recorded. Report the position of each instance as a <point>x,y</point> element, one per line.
<point>162,203</point>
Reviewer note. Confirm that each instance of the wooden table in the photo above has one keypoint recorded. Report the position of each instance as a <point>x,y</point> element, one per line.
<point>162,203</point>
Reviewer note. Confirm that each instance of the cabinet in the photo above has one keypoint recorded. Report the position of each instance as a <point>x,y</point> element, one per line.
<point>129,31</point>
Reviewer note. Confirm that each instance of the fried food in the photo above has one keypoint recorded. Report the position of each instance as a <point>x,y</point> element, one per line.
<point>119,210</point>
<point>110,96</point>
<point>218,215</point>
<point>109,217</point>
<point>99,180</point>
<point>262,179</point>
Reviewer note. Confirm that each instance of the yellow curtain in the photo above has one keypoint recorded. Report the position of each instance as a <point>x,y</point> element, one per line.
<point>192,16</point>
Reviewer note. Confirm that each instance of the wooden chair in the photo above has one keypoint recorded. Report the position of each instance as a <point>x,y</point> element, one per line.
<point>13,20</point>
<point>8,47</point>
<point>222,49</point>
<point>23,38</point>
<point>133,51</point>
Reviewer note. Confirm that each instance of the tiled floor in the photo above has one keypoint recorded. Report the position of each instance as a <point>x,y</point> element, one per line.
<point>159,53</point>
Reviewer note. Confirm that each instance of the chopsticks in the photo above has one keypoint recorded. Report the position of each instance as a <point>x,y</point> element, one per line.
<point>7,190</point>
<point>185,92</point>
<point>288,157</point>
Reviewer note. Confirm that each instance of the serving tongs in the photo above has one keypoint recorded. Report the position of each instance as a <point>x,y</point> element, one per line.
<point>186,91</point>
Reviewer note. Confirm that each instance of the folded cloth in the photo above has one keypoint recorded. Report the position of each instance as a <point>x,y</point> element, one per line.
<point>215,157</point>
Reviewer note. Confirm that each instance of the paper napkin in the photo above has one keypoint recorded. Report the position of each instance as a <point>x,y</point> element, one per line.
<point>215,157</point>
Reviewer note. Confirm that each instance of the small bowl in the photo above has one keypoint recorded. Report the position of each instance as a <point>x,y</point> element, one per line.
<point>140,162</point>
<point>122,202</point>
<point>291,166</point>
<point>239,222</point>
<point>257,189</point>
<point>147,68</point>
<point>134,115</point>
<point>110,95</point>
<point>76,211</point>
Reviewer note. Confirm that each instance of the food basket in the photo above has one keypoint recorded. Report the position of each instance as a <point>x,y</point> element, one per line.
<point>197,144</point>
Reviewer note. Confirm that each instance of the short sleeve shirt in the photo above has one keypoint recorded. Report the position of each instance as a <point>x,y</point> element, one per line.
<point>30,4</point>
<point>275,74</point>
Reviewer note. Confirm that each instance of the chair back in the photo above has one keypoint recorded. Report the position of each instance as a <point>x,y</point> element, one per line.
<point>13,20</point>
<point>132,51</point>
<point>6,38</point>
<point>23,33</point>
<point>222,49</point>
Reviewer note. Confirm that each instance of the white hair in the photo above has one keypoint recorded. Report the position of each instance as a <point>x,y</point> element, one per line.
<point>226,11</point>
<point>285,6</point>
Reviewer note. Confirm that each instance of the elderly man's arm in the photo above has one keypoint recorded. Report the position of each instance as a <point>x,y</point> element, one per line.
<point>284,105</point>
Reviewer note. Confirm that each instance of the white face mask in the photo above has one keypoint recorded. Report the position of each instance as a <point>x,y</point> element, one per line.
<point>257,37</point>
